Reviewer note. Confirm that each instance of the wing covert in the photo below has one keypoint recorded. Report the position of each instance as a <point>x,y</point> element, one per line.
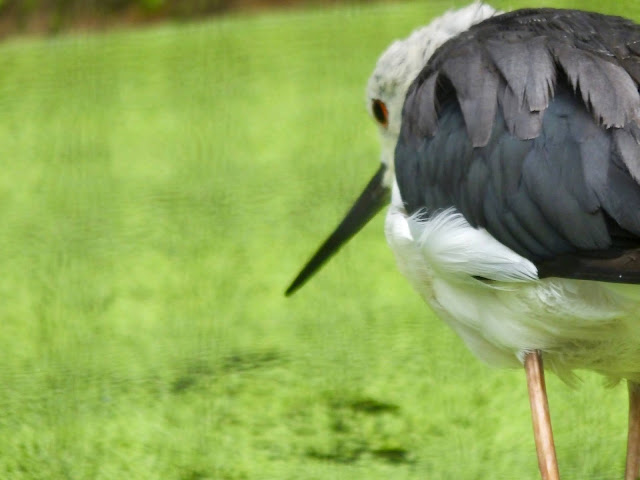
<point>532,138</point>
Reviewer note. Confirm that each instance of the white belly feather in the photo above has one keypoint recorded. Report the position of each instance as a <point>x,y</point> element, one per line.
<point>577,324</point>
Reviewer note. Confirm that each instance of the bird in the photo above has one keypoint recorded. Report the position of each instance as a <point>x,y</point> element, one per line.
<point>510,164</point>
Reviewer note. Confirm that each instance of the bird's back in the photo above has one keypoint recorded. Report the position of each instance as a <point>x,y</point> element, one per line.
<point>528,125</point>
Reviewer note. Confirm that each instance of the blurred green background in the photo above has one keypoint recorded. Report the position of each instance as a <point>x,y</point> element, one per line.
<point>160,188</point>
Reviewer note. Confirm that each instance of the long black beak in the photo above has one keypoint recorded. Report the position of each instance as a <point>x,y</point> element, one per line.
<point>371,200</point>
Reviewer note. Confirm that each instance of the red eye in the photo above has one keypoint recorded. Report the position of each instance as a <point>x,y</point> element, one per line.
<point>380,112</point>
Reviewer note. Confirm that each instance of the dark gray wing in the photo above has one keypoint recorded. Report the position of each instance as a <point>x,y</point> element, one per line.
<point>528,125</point>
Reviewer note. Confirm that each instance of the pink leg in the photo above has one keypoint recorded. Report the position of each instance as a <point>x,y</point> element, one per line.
<point>633,439</point>
<point>543,435</point>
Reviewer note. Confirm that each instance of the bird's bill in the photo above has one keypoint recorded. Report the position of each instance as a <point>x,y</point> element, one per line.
<point>371,200</point>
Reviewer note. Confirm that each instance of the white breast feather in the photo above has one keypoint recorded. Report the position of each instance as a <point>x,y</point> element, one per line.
<point>453,247</point>
<point>577,324</point>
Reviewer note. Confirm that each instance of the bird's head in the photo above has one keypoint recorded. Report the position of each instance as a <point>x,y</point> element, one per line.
<point>396,68</point>
<point>401,63</point>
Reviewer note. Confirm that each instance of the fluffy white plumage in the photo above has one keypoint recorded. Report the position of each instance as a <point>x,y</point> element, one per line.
<point>487,293</point>
<point>509,311</point>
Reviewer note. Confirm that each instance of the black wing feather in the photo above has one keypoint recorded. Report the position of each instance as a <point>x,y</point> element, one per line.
<point>528,124</point>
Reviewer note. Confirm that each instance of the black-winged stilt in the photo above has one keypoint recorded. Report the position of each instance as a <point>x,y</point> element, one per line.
<point>511,149</point>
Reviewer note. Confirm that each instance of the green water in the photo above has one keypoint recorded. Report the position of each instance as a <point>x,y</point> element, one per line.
<point>159,190</point>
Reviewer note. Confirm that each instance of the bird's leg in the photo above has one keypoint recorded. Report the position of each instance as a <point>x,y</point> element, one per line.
<point>547,460</point>
<point>633,439</point>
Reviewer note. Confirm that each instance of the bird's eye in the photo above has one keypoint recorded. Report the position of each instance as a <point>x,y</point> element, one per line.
<point>380,112</point>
